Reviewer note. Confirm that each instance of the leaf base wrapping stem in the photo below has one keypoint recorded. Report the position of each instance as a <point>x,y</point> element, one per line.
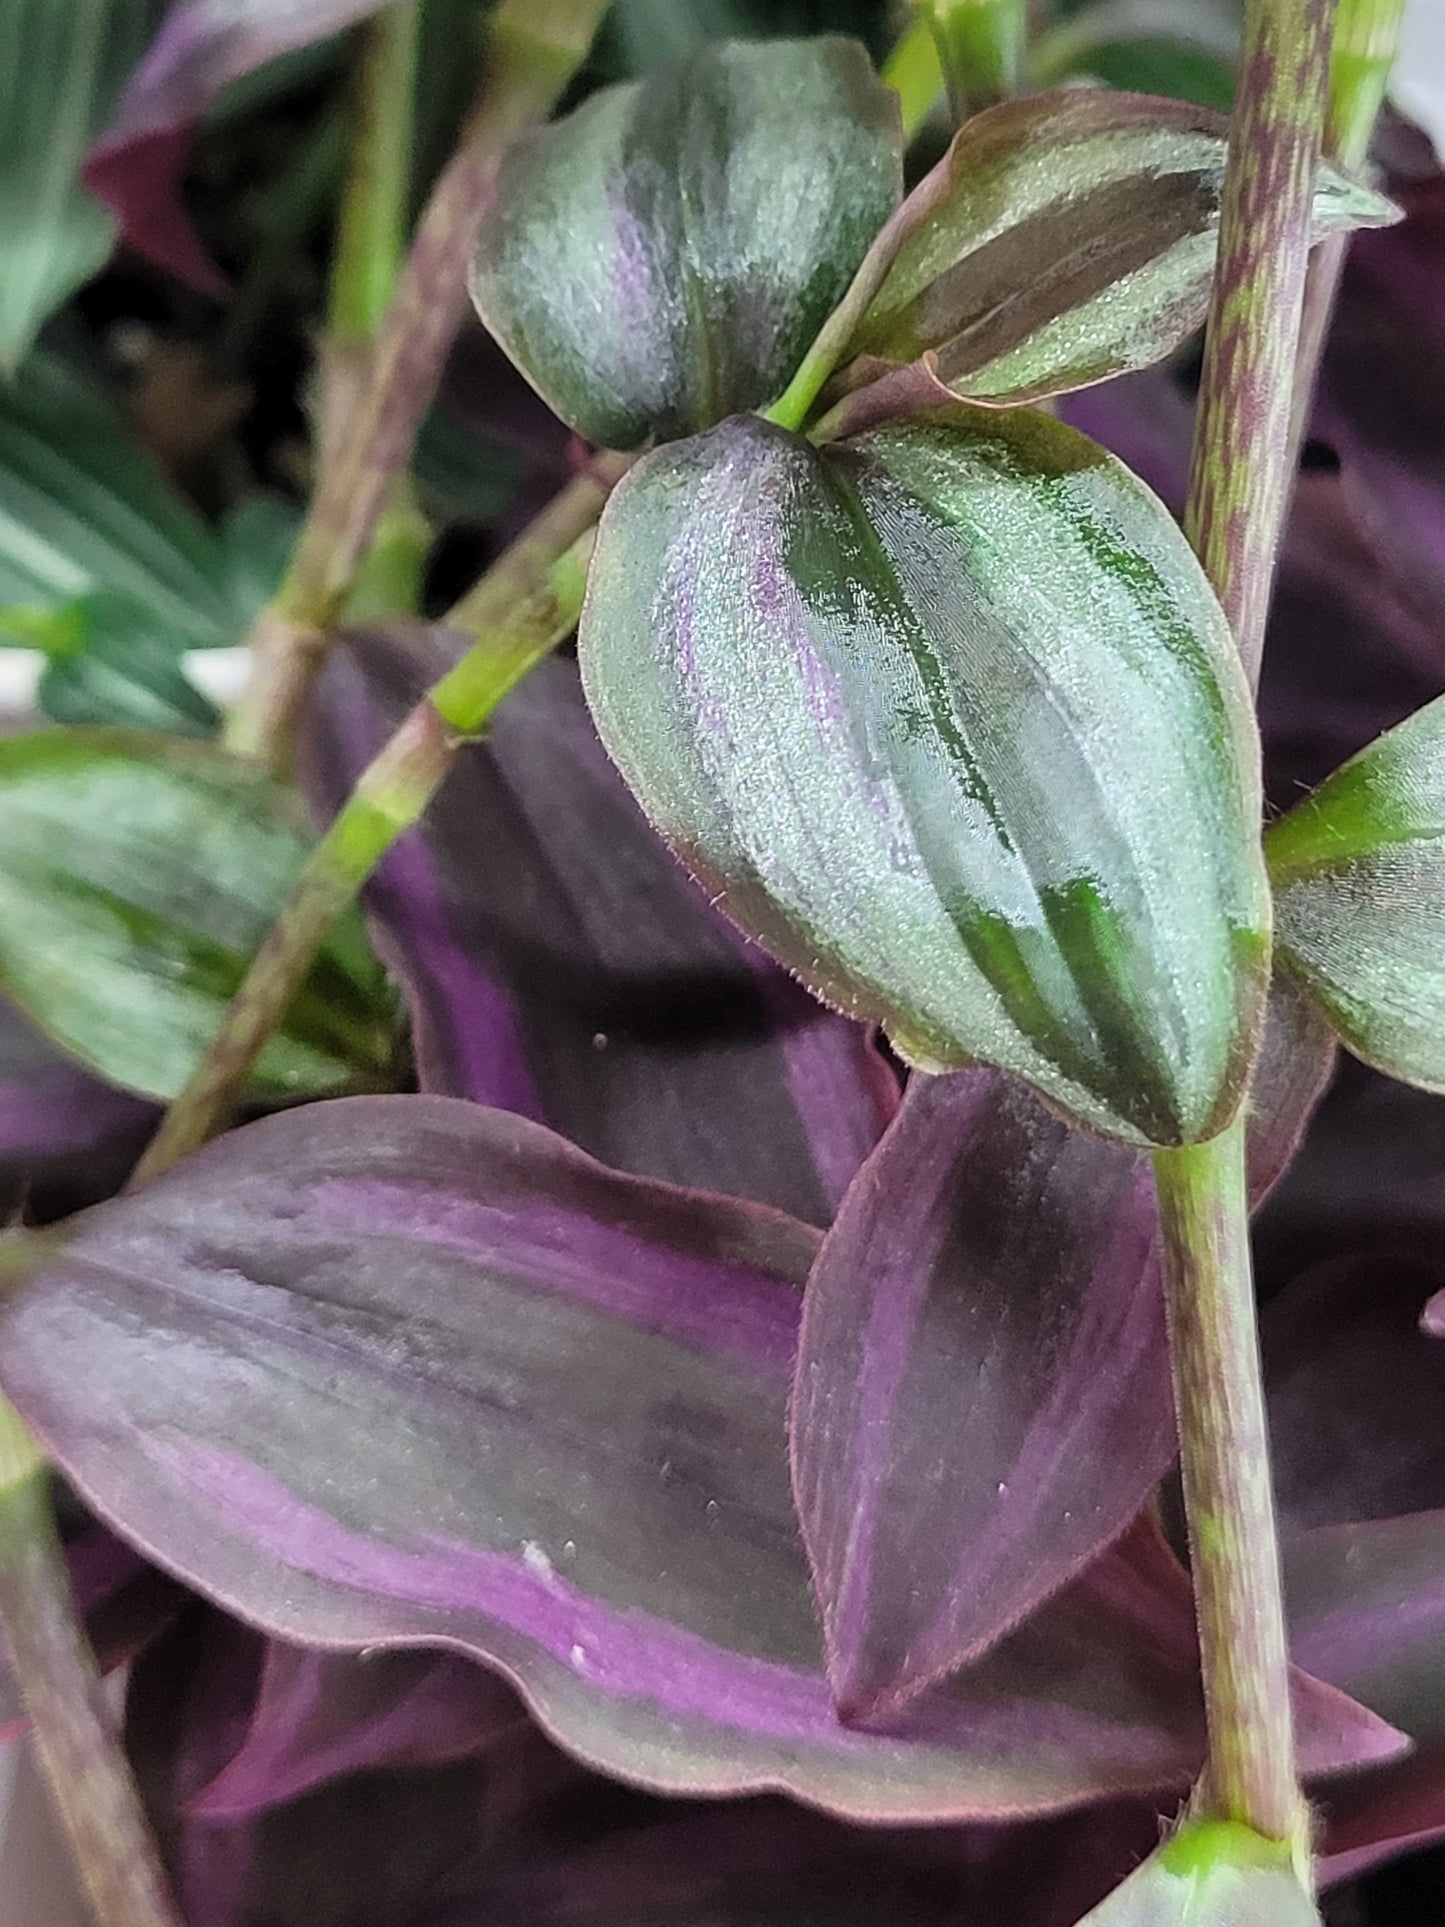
<point>1228,1495</point>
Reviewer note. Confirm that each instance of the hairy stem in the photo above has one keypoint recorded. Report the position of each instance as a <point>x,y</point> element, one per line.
<point>1239,480</point>
<point>533,48</point>
<point>79,1750</point>
<point>1224,1458</point>
<point>1237,495</point>
<point>1367,39</point>
<point>520,610</point>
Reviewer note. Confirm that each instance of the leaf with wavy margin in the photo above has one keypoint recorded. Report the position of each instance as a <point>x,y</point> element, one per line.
<point>405,1371</point>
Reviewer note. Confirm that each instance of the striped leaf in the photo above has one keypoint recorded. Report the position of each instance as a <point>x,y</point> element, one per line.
<point>62,63</point>
<point>1359,878</point>
<point>662,257</point>
<point>949,720</point>
<point>1061,240</point>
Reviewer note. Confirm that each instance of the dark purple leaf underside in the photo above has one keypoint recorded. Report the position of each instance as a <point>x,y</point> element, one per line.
<point>559,963</point>
<point>982,1397</point>
<point>319,1716</point>
<point>405,1371</point>
<point>137,165</point>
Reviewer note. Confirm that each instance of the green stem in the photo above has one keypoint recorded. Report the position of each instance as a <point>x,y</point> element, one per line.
<point>533,49</point>
<point>520,610</point>
<point>981,46</point>
<point>80,1753</point>
<point>913,72</point>
<point>1224,1459</point>
<point>371,234</point>
<point>1239,482</point>
<point>1238,490</point>
<point>1367,39</point>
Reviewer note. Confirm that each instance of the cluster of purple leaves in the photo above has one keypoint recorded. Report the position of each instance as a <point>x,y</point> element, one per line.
<point>976,1368</point>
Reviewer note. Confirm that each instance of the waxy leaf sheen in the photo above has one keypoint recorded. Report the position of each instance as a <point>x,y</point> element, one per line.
<point>408,1371</point>
<point>138,876</point>
<point>663,256</point>
<point>1061,240</point>
<point>948,718</point>
<point>982,1399</point>
<point>1359,882</point>
<point>559,962</point>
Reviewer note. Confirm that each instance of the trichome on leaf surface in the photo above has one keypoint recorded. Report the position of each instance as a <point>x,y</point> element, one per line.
<point>694,1360</point>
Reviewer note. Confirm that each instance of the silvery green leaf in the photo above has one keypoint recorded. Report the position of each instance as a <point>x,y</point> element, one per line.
<point>663,256</point>
<point>948,718</point>
<point>1061,240</point>
<point>1359,878</point>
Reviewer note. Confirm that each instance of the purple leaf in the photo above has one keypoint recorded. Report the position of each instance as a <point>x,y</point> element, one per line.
<point>1383,1813</point>
<point>982,1397</point>
<point>526,1836</point>
<point>1383,381</point>
<point>137,165</point>
<point>318,1716</point>
<point>399,1371</point>
<point>1432,1319</point>
<point>1356,1393</point>
<point>124,1602</point>
<point>559,963</point>
<point>66,1138</point>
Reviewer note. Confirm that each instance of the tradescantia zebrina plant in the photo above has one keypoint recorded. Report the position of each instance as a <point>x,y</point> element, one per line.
<point>762,1420</point>
<point>944,712</point>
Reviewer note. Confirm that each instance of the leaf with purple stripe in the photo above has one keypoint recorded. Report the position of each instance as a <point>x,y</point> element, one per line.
<point>559,962</point>
<point>1356,1392</point>
<point>136,166</point>
<point>406,1371</point>
<point>1061,240</point>
<point>982,1398</point>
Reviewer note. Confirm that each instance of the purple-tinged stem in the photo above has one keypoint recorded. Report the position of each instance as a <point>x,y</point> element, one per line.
<point>533,49</point>
<point>79,1749</point>
<point>1239,486</point>
<point>520,610</point>
<point>1239,480</point>
<point>1228,1497</point>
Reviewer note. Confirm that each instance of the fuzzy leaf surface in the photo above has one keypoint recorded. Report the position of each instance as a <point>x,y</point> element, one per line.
<point>1061,240</point>
<point>1359,879</point>
<point>559,962</point>
<point>949,720</point>
<point>138,876</point>
<point>982,1398</point>
<point>663,256</point>
<point>407,1371</point>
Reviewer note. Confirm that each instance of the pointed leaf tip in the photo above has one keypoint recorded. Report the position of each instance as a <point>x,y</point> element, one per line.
<point>1062,240</point>
<point>950,721</point>
<point>1212,1873</point>
<point>987,1245</point>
